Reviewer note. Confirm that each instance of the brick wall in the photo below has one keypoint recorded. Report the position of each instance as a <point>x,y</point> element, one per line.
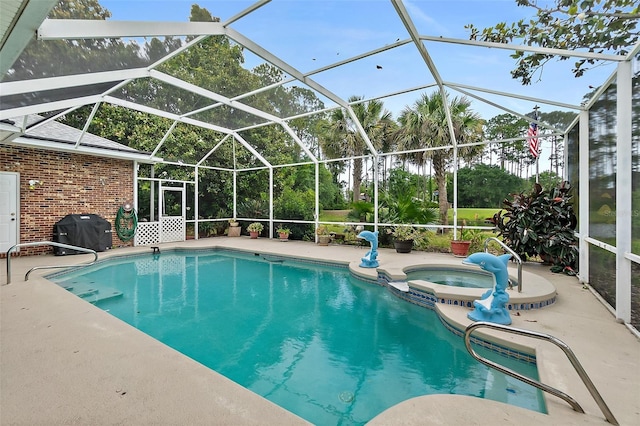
<point>70,184</point>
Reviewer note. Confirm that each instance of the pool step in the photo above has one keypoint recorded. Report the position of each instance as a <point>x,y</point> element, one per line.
<point>92,294</point>
<point>503,388</point>
<point>400,285</point>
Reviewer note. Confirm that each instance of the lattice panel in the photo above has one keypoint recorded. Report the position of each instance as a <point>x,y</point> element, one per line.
<point>147,233</point>
<point>169,229</point>
<point>173,229</point>
<point>147,266</point>
<point>168,264</point>
<point>173,265</point>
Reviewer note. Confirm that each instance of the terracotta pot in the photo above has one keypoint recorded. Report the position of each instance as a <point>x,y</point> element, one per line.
<point>284,236</point>
<point>253,234</point>
<point>403,246</point>
<point>460,248</point>
<point>323,240</point>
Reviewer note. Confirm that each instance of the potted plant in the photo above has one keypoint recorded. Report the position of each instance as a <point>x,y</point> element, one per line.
<point>234,228</point>
<point>255,229</point>
<point>470,242</point>
<point>323,235</point>
<point>403,237</point>
<point>283,233</point>
<point>460,247</point>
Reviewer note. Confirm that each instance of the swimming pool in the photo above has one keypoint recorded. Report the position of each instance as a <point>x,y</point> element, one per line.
<point>311,338</point>
<point>455,277</point>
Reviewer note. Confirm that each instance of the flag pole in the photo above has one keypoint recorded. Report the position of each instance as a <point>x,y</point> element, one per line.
<point>538,169</point>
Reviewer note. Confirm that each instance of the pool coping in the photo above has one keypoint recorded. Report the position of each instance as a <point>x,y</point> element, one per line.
<point>42,326</point>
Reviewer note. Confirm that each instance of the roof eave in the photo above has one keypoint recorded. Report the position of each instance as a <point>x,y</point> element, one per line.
<point>141,157</point>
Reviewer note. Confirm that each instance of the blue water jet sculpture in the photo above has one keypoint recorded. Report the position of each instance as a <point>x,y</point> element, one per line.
<point>491,305</point>
<point>369,260</point>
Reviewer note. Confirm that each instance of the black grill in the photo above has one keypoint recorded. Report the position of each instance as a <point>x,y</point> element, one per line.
<point>83,230</point>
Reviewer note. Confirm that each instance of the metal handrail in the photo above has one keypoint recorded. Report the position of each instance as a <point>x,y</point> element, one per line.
<point>49,243</point>
<point>512,253</point>
<point>568,352</point>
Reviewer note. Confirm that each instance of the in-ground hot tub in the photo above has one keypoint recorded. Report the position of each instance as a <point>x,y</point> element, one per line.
<point>457,277</point>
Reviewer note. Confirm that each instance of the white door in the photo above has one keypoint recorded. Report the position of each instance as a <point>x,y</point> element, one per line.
<point>8,210</point>
<point>172,202</point>
<point>172,214</point>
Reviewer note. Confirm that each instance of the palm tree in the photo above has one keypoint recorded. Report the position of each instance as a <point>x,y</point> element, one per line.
<point>424,125</point>
<point>339,137</point>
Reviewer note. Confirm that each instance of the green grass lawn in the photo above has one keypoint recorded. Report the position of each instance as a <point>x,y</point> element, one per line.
<point>333,215</point>
<point>472,216</point>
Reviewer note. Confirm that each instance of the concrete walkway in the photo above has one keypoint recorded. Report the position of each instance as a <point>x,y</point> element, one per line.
<point>64,361</point>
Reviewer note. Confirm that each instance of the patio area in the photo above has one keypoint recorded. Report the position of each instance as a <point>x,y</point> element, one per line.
<point>65,361</point>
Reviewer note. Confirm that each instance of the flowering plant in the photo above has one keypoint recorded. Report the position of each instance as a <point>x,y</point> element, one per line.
<point>255,227</point>
<point>404,233</point>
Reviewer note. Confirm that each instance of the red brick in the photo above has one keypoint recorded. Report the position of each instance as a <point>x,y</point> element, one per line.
<point>71,184</point>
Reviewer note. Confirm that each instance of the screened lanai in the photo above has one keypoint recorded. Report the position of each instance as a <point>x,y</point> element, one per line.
<point>227,88</point>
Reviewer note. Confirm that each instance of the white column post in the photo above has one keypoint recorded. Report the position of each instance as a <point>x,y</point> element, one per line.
<point>583,196</point>
<point>135,185</point>
<point>184,211</point>
<point>235,181</point>
<point>270,202</point>
<point>455,192</point>
<point>152,216</point>
<point>623,192</point>
<point>196,205</point>
<point>316,215</point>
<point>375,192</point>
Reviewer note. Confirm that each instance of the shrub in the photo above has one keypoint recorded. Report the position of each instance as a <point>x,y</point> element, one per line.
<point>403,208</point>
<point>296,205</point>
<point>361,211</point>
<point>541,223</point>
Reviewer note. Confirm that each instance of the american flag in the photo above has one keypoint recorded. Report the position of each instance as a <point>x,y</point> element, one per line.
<point>532,134</point>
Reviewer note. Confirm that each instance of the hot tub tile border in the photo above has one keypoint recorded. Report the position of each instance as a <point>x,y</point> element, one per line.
<point>428,299</point>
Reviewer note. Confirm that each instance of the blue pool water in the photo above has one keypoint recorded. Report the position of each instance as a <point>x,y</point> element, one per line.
<point>453,277</point>
<point>332,349</point>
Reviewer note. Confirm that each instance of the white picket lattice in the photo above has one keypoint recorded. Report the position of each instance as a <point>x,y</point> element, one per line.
<point>168,229</point>
<point>173,229</point>
<point>147,233</point>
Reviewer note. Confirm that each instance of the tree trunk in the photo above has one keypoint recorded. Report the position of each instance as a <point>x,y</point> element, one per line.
<point>357,178</point>
<point>439,167</point>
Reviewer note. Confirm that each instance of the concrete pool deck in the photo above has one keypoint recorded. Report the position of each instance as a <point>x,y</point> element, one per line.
<point>64,361</point>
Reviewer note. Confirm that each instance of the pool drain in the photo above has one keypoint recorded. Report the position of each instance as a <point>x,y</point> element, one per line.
<point>346,396</point>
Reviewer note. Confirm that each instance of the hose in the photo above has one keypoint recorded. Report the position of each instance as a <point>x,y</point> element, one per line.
<point>126,223</point>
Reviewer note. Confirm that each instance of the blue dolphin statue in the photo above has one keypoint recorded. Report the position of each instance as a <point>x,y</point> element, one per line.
<point>369,260</point>
<point>491,305</point>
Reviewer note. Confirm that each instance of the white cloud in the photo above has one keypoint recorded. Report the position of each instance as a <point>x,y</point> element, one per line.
<point>418,16</point>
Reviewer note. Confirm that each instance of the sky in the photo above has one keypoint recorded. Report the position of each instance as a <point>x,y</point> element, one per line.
<point>310,34</point>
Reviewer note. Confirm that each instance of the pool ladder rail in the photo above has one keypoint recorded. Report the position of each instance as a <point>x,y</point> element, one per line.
<point>48,243</point>
<point>512,253</point>
<point>544,387</point>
